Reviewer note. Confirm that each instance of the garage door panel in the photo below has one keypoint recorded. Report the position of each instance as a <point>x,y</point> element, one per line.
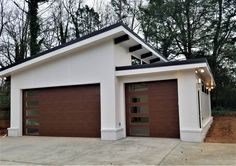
<point>164,99</point>
<point>66,111</point>
<point>162,106</point>
<point>160,112</point>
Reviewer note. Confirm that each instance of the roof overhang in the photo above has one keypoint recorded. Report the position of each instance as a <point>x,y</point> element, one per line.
<point>199,66</point>
<point>136,47</point>
<point>112,32</point>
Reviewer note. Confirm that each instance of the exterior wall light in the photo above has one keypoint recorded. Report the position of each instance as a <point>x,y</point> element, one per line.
<point>202,70</point>
<point>196,71</point>
<point>199,80</point>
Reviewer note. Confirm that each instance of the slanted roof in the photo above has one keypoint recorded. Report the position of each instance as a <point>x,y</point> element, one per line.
<point>119,32</point>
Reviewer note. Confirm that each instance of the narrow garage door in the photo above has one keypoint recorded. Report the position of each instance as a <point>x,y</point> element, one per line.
<point>62,111</point>
<point>152,109</point>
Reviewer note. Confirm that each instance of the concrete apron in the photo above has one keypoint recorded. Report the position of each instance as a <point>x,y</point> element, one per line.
<point>130,151</point>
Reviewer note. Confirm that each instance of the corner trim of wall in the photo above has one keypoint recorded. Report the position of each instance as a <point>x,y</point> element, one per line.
<point>196,135</point>
<point>206,126</point>
<point>14,132</point>
<point>112,134</point>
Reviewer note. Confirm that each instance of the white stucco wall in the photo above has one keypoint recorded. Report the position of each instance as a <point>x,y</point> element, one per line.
<point>188,107</point>
<point>87,66</point>
<point>205,106</point>
<point>122,56</point>
<point>205,109</point>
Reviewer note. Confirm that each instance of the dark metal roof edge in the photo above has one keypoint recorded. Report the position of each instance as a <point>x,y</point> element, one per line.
<point>163,64</point>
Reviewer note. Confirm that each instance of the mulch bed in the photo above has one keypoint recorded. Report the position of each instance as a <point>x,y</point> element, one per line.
<point>3,132</point>
<point>223,130</point>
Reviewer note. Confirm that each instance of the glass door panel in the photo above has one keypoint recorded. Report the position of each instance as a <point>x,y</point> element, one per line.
<point>137,110</point>
<point>31,112</point>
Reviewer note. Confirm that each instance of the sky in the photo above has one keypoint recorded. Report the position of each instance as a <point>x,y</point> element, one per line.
<point>92,2</point>
<point>43,7</point>
<point>88,2</point>
<point>99,4</point>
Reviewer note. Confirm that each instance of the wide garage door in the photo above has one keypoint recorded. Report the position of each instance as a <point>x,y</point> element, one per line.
<point>152,109</point>
<point>62,111</point>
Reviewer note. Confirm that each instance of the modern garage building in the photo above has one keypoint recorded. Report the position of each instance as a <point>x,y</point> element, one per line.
<point>89,88</point>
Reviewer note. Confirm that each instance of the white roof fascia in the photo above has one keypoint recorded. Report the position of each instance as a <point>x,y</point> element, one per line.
<point>129,72</point>
<point>210,73</point>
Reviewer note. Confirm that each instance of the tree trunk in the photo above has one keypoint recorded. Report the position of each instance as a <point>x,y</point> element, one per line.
<point>216,43</point>
<point>34,25</point>
<point>189,30</point>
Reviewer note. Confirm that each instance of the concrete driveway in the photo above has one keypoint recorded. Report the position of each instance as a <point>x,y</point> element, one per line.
<point>129,151</point>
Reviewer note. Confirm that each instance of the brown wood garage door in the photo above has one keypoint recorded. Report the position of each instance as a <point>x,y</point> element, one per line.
<point>152,109</point>
<point>62,111</point>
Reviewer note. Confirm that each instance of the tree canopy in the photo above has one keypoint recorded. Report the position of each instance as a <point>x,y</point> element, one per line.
<point>194,29</point>
<point>177,28</point>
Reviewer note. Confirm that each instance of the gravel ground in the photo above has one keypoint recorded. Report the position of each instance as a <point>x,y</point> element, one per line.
<point>223,130</point>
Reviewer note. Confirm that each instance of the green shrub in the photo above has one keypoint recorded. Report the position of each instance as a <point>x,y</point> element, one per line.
<point>4,115</point>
